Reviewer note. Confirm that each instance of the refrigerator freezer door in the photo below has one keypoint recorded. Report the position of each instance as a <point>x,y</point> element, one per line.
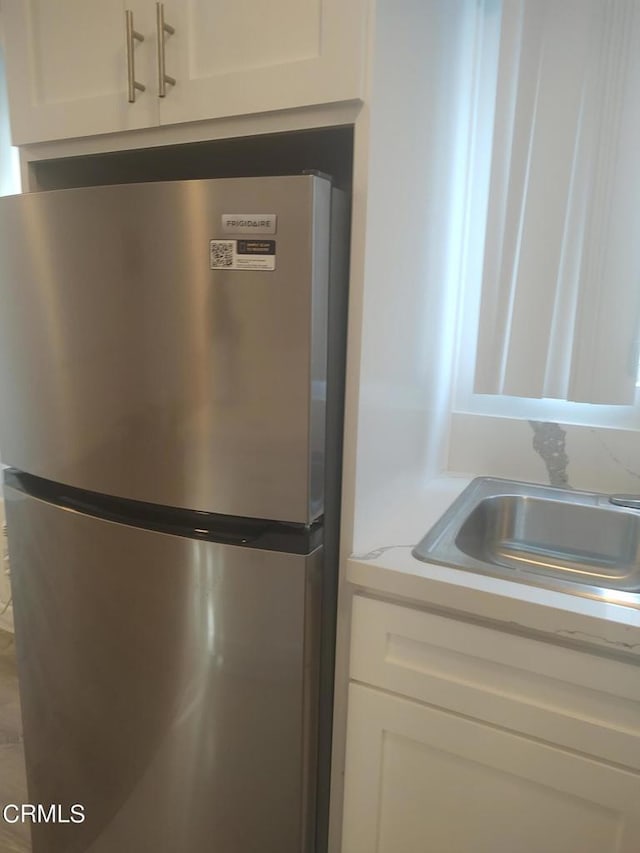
<point>130,367</point>
<point>167,685</point>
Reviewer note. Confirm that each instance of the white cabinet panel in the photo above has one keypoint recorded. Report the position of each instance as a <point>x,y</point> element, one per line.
<point>422,779</point>
<point>227,37</point>
<point>243,57</point>
<point>562,695</point>
<point>67,68</point>
<point>63,43</point>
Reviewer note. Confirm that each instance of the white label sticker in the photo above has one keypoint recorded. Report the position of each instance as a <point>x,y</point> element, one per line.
<point>249,223</point>
<point>242,254</point>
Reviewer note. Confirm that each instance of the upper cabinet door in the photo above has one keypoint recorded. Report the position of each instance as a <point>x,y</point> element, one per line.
<point>234,58</point>
<point>67,68</point>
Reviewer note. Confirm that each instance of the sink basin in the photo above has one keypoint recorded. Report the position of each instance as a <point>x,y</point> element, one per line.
<point>543,535</point>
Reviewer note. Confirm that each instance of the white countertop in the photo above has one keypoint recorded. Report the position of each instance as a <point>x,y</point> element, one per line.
<point>388,568</point>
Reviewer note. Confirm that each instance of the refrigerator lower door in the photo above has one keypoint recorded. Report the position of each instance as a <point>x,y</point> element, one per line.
<point>168,686</point>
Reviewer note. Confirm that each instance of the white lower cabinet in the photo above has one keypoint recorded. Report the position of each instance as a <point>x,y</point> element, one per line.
<point>472,758</point>
<point>422,779</point>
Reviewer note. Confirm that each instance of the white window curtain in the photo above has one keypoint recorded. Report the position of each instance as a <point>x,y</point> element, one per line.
<point>560,305</point>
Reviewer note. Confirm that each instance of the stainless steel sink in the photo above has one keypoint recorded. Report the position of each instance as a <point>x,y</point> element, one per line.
<point>557,538</point>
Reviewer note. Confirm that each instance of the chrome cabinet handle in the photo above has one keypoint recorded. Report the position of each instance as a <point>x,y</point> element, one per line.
<point>161,29</point>
<point>132,35</point>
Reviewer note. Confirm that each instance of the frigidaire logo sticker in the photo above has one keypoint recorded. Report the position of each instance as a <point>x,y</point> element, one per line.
<point>249,223</point>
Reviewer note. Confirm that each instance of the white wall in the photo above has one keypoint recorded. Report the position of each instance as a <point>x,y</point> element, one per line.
<point>405,355</point>
<point>596,459</point>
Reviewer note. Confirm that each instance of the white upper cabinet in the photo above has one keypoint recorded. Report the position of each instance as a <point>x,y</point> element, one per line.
<point>66,66</point>
<point>242,57</point>
<point>68,62</point>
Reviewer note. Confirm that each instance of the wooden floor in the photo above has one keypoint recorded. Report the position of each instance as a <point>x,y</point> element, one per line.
<point>14,838</point>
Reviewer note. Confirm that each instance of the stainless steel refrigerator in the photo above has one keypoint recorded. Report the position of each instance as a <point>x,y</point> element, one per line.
<point>171,374</point>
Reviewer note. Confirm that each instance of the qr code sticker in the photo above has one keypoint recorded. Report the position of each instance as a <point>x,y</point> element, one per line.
<point>221,253</point>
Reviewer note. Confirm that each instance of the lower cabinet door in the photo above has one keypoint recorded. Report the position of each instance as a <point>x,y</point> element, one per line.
<point>420,779</point>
